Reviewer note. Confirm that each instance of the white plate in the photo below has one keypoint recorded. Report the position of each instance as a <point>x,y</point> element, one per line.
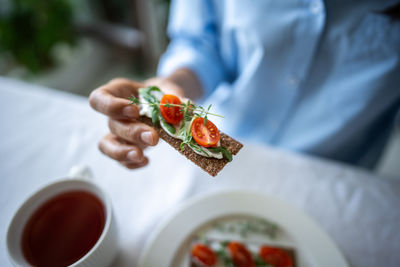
<point>313,245</point>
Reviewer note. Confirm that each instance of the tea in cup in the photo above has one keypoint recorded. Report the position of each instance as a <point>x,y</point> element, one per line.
<point>67,223</point>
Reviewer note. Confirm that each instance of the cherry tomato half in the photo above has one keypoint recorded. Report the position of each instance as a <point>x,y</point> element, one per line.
<point>276,256</point>
<point>240,255</point>
<point>205,135</point>
<point>204,255</point>
<point>174,114</point>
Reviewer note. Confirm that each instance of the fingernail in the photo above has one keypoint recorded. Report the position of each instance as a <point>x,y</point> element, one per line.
<point>147,137</point>
<point>129,111</point>
<point>133,156</point>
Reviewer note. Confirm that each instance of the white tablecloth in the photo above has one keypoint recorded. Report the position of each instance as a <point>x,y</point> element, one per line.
<point>45,132</point>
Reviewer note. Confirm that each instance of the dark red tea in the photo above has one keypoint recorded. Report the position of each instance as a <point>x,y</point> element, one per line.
<point>63,229</point>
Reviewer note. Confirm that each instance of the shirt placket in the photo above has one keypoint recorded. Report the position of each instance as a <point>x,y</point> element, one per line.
<point>307,34</point>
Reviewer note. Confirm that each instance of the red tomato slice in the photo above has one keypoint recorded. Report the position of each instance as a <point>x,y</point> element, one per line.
<point>171,115</point>
<point>276,256</point>
<point>240,255</point>
<point>203,254</point>
<point>205,135</point>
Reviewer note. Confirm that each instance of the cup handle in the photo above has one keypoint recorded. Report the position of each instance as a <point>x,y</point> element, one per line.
<point>80,172</point>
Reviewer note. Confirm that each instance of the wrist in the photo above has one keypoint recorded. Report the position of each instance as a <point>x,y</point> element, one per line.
<point>182,82</point>
<point>166,85</point>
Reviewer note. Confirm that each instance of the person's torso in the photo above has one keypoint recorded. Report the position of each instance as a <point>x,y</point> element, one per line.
<point>307,75</point>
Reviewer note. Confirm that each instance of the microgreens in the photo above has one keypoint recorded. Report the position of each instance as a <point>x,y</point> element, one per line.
<point>186,108</point>
<point>259,262</point>
<point>225,257</point>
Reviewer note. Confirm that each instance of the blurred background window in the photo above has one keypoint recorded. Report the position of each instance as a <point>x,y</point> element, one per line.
<point>77,45</point>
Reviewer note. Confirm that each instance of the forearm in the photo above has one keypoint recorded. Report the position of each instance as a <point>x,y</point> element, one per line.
<point>182,82</point>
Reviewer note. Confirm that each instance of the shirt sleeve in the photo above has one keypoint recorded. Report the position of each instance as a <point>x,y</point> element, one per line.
<point>194,43</point>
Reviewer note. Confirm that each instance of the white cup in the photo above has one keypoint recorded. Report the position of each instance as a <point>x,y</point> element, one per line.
<point>101,254</point>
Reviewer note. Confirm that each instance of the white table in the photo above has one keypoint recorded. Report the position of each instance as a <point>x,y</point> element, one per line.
<point>45,132</point>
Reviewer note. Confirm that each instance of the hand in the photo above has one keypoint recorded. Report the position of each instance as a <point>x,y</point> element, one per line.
<point>128,137</point>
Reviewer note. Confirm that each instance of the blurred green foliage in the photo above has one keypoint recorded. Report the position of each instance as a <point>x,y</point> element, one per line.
<point>30,29</point>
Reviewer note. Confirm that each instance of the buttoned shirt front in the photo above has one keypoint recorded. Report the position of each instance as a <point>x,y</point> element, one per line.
<point>307,75</point>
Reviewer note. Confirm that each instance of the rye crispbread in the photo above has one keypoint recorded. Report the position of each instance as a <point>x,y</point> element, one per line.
<point>211,165</point>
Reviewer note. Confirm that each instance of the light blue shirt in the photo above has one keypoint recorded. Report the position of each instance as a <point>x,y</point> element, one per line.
<point>311,76</point>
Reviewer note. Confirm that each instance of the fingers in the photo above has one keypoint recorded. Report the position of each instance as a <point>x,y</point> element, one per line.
<point>136,132</point>
<point>111,99</point>
<point>135,165</point>
<point>128,137</point>
<point>128,155</point>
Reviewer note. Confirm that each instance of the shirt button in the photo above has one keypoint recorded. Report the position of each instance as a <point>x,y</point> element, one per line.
<point>293,81</point>
<point>316,7</point>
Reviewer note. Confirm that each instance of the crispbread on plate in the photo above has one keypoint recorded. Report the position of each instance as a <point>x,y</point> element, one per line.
<point>211,165</point>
